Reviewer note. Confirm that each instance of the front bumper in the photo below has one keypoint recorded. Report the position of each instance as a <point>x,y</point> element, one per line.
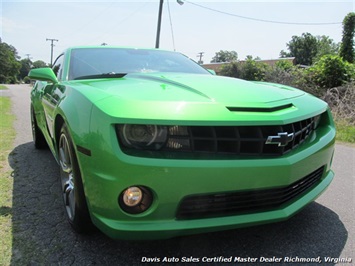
<point>171,180</point>
<point>163,229</point>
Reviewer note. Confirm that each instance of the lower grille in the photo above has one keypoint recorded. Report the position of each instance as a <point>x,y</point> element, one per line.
<point>227,204</point>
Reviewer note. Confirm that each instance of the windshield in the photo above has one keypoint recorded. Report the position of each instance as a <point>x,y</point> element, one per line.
<point>86,62</point>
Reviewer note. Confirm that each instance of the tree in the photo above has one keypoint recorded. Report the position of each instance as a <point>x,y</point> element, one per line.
<point>252,70</point>
<point>303,48</point>
<point>39,64</point>
<point>331,71</point>
<point>225,56</point>
<point>26,65</point>
<point>9,66</point>
<point>347,44</point>
<point>248,70</point>
<point>325,46</point>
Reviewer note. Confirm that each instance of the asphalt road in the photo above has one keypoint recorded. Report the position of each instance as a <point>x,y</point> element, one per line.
<point>42,236</point>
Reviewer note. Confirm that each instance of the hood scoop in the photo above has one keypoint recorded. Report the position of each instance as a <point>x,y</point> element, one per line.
<point>165,81</point>
<point>260,109</point>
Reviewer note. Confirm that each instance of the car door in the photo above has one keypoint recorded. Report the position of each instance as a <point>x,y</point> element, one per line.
<point>52,94</point>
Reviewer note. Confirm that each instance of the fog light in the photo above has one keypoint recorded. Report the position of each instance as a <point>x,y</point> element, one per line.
<point>135,199</point>
<point>132,196</point>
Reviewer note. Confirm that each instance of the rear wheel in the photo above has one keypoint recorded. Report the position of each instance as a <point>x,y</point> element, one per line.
<point>72,185</point>
<point>38,138</point>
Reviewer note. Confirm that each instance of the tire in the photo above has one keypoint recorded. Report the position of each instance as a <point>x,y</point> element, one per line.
<point>37,135</point>
<point>71,185</point>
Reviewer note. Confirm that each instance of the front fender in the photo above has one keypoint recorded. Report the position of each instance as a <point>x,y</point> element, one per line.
<point>75,111</point>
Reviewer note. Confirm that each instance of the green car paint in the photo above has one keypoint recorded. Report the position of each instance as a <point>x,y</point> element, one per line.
<point>188,188</point>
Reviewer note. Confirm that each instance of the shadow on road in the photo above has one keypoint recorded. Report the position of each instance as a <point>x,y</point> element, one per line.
<point>41,234</point>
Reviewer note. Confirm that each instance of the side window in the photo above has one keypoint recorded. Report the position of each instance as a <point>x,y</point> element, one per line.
<point>58,66</point>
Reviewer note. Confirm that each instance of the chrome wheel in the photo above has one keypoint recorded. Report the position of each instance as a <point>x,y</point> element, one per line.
<point>67,175</point>
<point>72,185</point>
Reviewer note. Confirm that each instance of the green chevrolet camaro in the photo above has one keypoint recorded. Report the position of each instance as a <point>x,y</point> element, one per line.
<point>151,145</point>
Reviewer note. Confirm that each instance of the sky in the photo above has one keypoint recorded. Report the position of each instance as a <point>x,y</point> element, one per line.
<point>258,28</point>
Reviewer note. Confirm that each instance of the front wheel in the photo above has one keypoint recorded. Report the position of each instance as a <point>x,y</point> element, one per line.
<point>38,137</point>
<point>72,185</point>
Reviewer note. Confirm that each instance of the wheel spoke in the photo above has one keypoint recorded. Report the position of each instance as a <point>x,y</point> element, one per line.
<point>67,176</point>
<point>69,197</point>
<point>64,155</point>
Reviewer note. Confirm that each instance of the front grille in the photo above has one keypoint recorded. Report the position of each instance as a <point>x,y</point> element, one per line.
<point>220,142</point>
<point>246,140</point>
<point>227,204</point>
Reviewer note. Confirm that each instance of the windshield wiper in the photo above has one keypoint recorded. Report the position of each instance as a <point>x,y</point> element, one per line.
<point>103,75</point>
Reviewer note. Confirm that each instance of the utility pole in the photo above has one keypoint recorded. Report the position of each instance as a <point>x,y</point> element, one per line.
<point>157,40</point>
<point>28,56</point>
<point>159,24</point>
<point>200,55</point>
<point>52,45</point>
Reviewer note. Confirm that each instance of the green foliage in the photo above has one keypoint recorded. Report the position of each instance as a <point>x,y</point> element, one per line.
<point>248,70</point>
<point>26,65</point>
<point>331,71</point>
<point>230,70</point>
<point>284,65</point>
<point>252,70</point>
<point>225,56</point>
<point>39,64</point>
<point>11,69</point>
<point>9,66</point>
<point>303,48</point>
<point>27,80</point>
<point>325,46</point>
<point>347,44</point>
<point>308,48</point>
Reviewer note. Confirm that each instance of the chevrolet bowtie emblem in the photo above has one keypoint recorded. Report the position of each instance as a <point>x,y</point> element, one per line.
<point>282,139</point>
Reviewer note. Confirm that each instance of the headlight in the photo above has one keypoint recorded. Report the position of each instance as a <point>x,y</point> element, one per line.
<point>143,136</point>
<point>153,137</point>
<point>316,121</point>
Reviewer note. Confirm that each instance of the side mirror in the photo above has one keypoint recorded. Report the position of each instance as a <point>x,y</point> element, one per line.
<point>43,74</point>
<point>212,71</point>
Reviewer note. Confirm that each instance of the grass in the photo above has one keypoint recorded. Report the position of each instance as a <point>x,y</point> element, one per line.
<point>345,132</point>
<point>7,135</point>
<point>2,87</point>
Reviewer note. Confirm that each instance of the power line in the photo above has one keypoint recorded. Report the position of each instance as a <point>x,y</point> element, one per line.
<point>264,20</point>
<point>171,26</point>
<point>109,29</point>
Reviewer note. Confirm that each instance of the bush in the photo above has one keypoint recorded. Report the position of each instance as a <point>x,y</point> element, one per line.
<point>27,80</point>
<point>331,71</point>
<point>252,70</point>
<point>294,76</point>
<point>284,65</point>
<point>342,102</point>
<point>230,70</point>
<point>248,70</point>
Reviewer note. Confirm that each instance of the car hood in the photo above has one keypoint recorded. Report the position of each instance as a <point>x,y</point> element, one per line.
<point>188,88</point>
<point>186,98</point>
